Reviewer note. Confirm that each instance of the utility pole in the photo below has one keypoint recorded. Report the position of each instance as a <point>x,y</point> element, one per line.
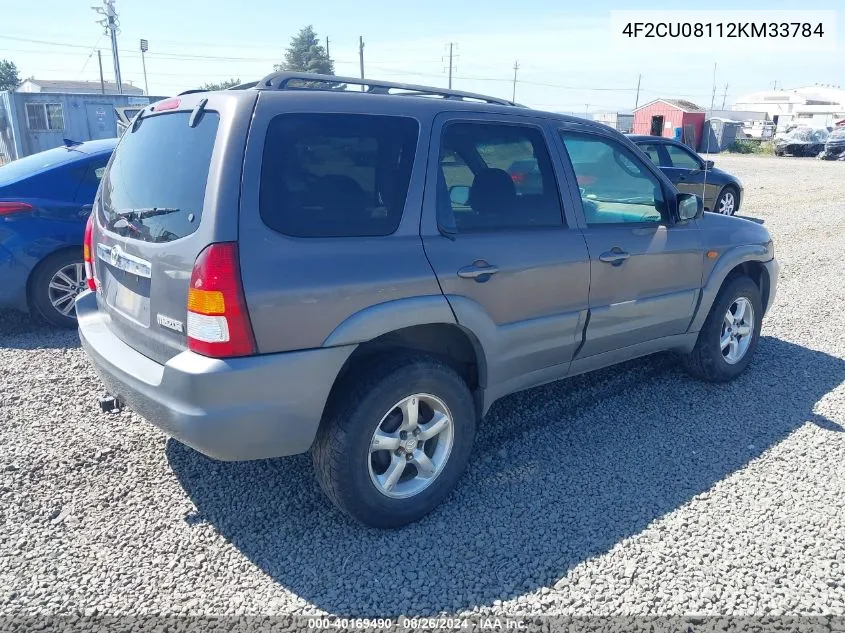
<point>111,24</point>
<point>451,45</point>
<point>713,98</point>
<point>725,96</point>
<point>587,111</point>
<point>361,58</point>
<point>637,100</point>
<point>328,54</point>
<point>515,69</point>
<point>145,45</point>
<point>100,61</point>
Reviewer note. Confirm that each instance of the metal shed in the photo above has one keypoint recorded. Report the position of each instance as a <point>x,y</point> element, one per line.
<point>673,118</point>
<point>719,134</point>
<point>31,122</point>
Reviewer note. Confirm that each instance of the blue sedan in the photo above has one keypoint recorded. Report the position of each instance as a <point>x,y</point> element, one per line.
<point>45,200</point>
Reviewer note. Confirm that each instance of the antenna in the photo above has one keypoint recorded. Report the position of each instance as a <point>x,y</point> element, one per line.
<point>709,117</point>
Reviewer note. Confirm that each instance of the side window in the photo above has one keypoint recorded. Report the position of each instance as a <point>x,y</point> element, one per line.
<point>496,177</point>
<point>96,169</point>
<point>336,175</point>
<point>682,158</point>
<point>615,186</point>
<point>652,151</point>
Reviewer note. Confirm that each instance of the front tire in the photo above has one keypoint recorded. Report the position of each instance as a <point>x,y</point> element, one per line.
<point>54,285</point>
<point>395,440</point>
<point>728,201</point>
<point>728,340</point>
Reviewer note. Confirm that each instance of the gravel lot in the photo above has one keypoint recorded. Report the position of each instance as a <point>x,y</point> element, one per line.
<point>635,490</point>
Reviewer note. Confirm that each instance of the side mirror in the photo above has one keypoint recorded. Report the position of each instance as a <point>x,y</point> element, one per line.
<point>459,194</point>
<point>709,164</point>
<point>690,206</point>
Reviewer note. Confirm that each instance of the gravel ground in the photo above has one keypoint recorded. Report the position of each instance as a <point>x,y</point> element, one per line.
<point>635,490</point>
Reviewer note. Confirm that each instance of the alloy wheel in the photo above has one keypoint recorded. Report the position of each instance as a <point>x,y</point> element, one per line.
<point>410,446</point>
<point>737,330</point>
<point>65,284</point>
<point>727,203</point>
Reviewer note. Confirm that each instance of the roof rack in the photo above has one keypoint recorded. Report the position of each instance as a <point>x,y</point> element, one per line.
<point>286,80</point>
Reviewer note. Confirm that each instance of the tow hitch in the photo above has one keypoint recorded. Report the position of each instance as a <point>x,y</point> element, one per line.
<point>110,404</point>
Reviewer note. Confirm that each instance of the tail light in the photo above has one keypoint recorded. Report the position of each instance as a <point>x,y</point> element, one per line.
<point>518,178</point>
<point>218,321</point>
<point>8,208</point>
<point>88,252</point>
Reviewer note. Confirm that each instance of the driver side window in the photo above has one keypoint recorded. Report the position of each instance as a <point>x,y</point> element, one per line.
<point>616,188</point>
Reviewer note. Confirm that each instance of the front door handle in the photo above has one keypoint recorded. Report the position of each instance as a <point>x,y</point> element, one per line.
<point>615,257</point>
<point>479,271</point>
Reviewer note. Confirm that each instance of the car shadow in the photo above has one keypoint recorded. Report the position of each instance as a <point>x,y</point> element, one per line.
<point>559,474</point>
<point>19,330</point>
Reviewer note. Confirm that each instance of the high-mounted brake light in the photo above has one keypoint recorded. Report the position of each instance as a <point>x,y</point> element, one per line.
<point>218,321</point>
<point>167,104</point>
<point>8,208</point>
<point>88,252</point>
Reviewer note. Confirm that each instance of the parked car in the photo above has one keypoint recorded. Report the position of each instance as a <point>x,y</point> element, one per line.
<point>834,147</point>
<point>259,292</point>
<point>45,200</point>
<point>690,173</point>
<point>801,140</point>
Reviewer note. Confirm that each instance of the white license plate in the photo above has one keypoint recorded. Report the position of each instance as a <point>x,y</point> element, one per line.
<point>127,301</point>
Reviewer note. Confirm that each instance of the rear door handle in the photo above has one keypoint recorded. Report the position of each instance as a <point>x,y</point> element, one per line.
<point>615,257</point>
<point>479,271</point>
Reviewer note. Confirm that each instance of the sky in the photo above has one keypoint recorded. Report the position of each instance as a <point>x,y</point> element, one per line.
<point>567,62</point>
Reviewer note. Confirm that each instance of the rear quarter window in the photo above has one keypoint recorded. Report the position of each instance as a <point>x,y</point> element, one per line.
<point>154,188</point>
<point>336,175</point>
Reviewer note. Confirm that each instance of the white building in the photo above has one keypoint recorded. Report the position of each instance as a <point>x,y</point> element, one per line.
<point>76,87</point>
<point>818,106</point>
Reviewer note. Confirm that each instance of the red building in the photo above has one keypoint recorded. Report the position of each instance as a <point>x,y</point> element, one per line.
<point>673,118</point>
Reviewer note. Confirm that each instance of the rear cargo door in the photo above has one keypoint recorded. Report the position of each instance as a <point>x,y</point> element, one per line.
<point>155,213</point>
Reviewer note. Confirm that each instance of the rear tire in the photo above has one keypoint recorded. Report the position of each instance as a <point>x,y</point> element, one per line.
<point>371,410</point>
<point>54,285</point>
<point>714,360</point>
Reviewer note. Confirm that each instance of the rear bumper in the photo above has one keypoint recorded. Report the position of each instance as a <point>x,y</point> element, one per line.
<point>233,409</point>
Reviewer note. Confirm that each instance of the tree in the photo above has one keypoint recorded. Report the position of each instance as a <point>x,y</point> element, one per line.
<point>306,54</point>
<point>9,78</point>
<point>226,83</point>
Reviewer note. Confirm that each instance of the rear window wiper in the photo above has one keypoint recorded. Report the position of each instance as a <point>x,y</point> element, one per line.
<point>133,215</point>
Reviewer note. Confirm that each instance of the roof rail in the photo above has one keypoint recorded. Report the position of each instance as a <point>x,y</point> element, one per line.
<point>286,80</point>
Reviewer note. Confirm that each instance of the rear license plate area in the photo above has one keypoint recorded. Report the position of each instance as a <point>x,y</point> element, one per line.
<point>128,294</point>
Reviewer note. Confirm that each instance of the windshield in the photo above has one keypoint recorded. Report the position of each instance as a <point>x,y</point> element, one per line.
<point>154,188</point>
<point>36,163</point>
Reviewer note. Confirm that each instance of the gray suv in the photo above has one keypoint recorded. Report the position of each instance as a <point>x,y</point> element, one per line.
<point>348,267</point>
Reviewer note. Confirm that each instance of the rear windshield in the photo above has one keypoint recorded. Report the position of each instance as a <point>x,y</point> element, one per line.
<point>154,188</point>
<point>36,163</point>
<point>336,175</point>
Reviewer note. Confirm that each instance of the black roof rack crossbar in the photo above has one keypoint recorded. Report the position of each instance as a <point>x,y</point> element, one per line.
<point>283,80</point>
